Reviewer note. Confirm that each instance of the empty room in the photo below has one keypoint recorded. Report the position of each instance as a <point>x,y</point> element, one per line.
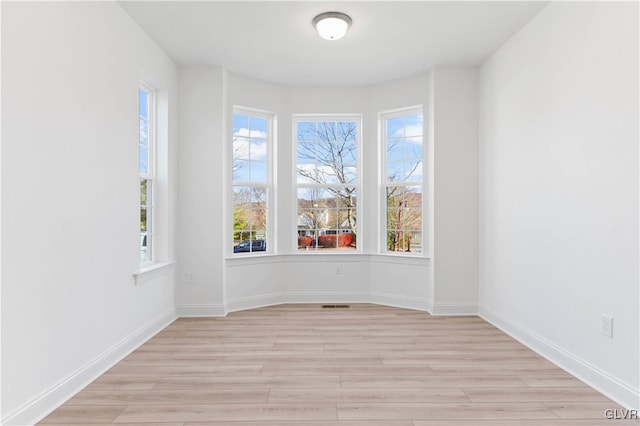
<point>388,213</point>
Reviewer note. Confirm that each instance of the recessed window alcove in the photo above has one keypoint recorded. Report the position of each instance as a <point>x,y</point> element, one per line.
<point>369,273</point>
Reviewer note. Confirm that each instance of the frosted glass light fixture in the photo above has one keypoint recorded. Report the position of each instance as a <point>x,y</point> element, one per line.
<point>332,25</point>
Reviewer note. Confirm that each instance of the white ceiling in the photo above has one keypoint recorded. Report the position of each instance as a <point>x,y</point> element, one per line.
<point>275,41</point>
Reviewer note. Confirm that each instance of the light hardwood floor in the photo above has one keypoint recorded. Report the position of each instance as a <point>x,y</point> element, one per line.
<point>364,366</point>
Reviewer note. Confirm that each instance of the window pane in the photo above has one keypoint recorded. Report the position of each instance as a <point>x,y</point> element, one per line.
<point>249,241</point>
<point>349,153</point>
<point>240,148</point>
<point>250,218</point>
<point>258,172</point>
<point>258,218</point>
<point>258,194</point>
<point>258,149</point>
<point>350,173</point>
<point>249,149</point>
<point>143,192</point>
<point>307,173</point>
<point>326,131</point>
<point>414,147</point>
<point>145,220</point>
<point>241,195</point>
<point>395,127</point>
<point>404,218</point>
<point>241,170</point>
<point>395,150</point>
<point>413,170</point>
<point>412,218</point>
<point>306,152</point>
<point>143,115</point>
<point>327,173</point>
<point>347,131</point>
<point>144,159</point>
<point>326,218</point>
<point>240,125</point>
<point>331,160</point>
<point>328,161</point>
<point>395,171</point>
<point>413,241</point>
<point>144,130</point>
<point>258,127</point>
<point>404,144</point>
<point>144,249</point>
<point>314,197</point>
<point>392,239</point>
<point>241,226</point>
<point>413,125</point>
<point>143,103</point>
<point>306,131</point>
<point>259,235</point>
<point>413,196</point>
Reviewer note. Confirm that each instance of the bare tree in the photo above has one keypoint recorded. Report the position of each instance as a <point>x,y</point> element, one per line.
<point>333,154</point>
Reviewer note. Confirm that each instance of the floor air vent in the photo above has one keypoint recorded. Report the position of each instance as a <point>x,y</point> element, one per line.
<point>336,306</point>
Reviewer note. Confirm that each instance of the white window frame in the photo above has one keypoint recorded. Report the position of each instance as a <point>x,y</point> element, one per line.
<point>384,183</point>
<point>358,185</point>
<point>150,175</point>
<point>270,233</point>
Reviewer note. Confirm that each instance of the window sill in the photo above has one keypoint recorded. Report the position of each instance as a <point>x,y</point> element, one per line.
<point>336,256</point>
<point>403,259</point>
<point>151,270</point>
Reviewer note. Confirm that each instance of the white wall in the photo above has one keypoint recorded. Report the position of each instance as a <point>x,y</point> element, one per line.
<point>201,190</point>
<point>70,194</point>
<point>559,190</point>
<point>455,178</point>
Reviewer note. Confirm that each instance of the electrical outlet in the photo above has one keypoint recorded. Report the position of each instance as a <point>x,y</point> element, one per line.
<point>338,268</point>
<point>190,278</point>
<point>607,326</point>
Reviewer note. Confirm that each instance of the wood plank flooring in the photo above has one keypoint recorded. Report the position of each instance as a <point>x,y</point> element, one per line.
<point>364,366</point>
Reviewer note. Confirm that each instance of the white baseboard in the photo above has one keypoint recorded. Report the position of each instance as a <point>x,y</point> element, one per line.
<point>609,386</point>
<point>328,297</point>
<point>454,309</point>
<point>45,403</point>
<point>253,302</point>
<point>244,303</point>
<point>200,310</point>
<point>241,304</point>
<point>397,301</point>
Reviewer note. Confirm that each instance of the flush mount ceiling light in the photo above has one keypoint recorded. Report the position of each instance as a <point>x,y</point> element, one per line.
<point>332,25</point>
